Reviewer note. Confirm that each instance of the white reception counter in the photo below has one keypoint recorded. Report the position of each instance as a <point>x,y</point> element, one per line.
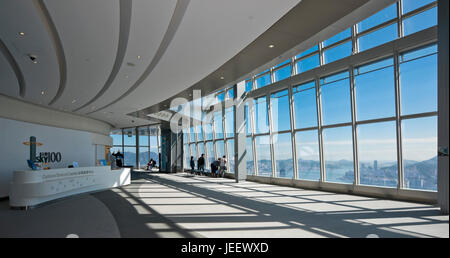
<point>33,187</point>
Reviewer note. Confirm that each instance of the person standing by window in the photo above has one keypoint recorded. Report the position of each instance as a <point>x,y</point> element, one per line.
<point>201,163</point>
<point>223,166</point>
<point>192,165</point>
<point>119,158</point>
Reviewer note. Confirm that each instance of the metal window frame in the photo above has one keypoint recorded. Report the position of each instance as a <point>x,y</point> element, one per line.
<point>390,49</point>
<point>393,48</point>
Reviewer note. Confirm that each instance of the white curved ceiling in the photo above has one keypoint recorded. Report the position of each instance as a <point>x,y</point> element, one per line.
<point>108,47</point>
<point>88,32</point>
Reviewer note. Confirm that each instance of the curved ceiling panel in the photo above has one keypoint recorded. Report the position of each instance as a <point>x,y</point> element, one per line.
<point>212,32</point>
<point>89,33</point>
<point>175,22</point>
<point>24,34</point>
<point>53,33</point>
<point>124,32</point>
<point>12,82</point>
<point>149,23</point>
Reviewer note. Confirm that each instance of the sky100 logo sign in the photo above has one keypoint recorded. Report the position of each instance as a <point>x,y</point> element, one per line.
<point>50,157</point>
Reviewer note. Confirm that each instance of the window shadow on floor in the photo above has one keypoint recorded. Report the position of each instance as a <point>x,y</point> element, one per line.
<point>178,206</point>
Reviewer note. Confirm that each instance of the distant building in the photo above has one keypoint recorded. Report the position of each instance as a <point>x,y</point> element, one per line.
<point>375,164</point>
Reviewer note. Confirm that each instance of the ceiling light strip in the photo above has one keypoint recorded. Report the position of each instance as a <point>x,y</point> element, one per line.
<point>177,17</point>
<point>124,32</point>
<point>56,41</point>
<point>12,62</point>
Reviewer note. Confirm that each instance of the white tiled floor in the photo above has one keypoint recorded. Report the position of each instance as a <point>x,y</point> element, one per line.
<point>215,207</point>
<point>178,205</point>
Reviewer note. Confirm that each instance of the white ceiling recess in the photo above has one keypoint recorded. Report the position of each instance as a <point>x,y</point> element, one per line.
<point>84,37</point>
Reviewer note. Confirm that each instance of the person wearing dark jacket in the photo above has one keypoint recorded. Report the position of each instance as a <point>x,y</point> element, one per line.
<point>201,163</point>
<point>119,157</point>
<point>214,167</point>
<point>192,164</point>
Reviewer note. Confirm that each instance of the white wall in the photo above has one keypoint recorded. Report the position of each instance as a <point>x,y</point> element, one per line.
<point>74,145</point>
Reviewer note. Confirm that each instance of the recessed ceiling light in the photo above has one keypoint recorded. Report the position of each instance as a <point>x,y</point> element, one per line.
<point>73,101</point>
<point>271,46</point>
<point>33,58</point>
<point>126,76</point>
<point>138,57</point>
<point>22,33</point>
<point>222,78</point>
<point>42,92</point>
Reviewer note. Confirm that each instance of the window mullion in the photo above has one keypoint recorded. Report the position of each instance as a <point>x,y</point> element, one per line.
<point>354,127</point>
<point>293,140</point>
<point>320,129</point>
<point>398,113</point>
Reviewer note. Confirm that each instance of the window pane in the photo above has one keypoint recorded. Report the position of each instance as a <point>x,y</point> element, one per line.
<point>130,156</point>
<point>221,97</point>
<point>341,36</point>
<point>115,149</point>
<point>261,116</point>
<point>338,52</point>
<point>375,90</point>
<point>199,132</point>
<point>248,86</point>
<point>338,154</point>
<point>420,21</point>
<point>210,154</point>
<point>208,131</point>
<point>117,137</point>
<point>201,149</point>
<point>263,81</point>
<point>410,5</point>
<point>384,15</point>
<point>129,137</point>
<point>187,156</point>
<point>143,136</point>
<point>193,151</point>
<point>309,51</point>
<point>229,121</point>
<point>154,141</point>
<point>192,135</point>
<point>336,100</point>
<point>248,121</point>
<point>281,120</point>
<point>185,136</point>
<point>154,154</point>
<point>283,155</point>
<point>308,64</point>
<point>230,149</point>
<point>305,105</point>
<point>282,73</point>
<point>263,156</point>
<point>378,37</point>
<point>420,153</point>
<point>418,80</point>
<point>230,93</point>
<point>144,156</point>
<point>249,157</point>
<point>308,159</point>
<point>281,64</point>
<point>218,125</point>
<point>377,154</point>
<point>220,147</point>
